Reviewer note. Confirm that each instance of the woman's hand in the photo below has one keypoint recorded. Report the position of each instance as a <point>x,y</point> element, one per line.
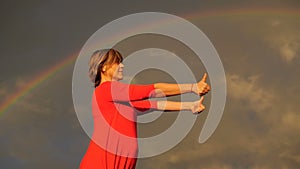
<point>197,106</point>
<point>201,88</point>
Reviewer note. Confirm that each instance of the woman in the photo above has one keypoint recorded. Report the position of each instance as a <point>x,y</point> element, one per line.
<point>115,106</point>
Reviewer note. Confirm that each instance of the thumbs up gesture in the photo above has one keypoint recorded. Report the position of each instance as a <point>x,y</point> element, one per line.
<point>201,88</point>
<point>197,106</point>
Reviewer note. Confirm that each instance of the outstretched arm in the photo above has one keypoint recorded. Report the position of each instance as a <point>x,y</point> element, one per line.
<point>196,107</point>
<point>166,89</point>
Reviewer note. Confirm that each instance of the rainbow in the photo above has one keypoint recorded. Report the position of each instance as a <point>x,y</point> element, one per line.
<point>36,81</point>
<point>48,73</point>
<point>251,12</point>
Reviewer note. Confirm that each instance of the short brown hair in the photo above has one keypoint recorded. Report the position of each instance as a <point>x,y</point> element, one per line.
<point>100,58</point>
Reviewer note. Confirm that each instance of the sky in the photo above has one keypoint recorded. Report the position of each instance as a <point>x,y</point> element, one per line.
<point>258,43</point>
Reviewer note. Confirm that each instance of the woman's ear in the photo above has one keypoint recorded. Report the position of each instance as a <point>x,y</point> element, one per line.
<point>104,68</point>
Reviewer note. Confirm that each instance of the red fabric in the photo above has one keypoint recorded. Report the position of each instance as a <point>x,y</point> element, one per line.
<point>114,142</point>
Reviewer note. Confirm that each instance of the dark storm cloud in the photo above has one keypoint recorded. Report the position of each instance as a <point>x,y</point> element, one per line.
<point>42,128</point>
<point>260,120</point>
<point>261,58</point>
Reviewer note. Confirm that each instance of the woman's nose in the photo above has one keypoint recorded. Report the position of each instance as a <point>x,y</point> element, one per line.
<point>121,65</point>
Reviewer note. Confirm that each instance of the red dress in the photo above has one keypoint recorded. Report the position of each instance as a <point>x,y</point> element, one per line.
<point>115,106</point>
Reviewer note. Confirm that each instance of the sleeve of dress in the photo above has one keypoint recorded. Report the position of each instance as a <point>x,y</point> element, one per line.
<point>144,105</point>
<point>130,92</point>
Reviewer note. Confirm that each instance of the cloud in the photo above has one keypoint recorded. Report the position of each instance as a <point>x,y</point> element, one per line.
<point>256,97</point>
<point>258,130</point>
<point>286,45</point>
<point>276,117</point>
<point>291,121</point>
<point>283,38</point>
<point>40,129</point>
<point>287,52</point>
<point>278,33</point>
<point>266,100</point>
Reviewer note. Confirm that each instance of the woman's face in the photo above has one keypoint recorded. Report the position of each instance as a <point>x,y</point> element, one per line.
<point>116,71</point>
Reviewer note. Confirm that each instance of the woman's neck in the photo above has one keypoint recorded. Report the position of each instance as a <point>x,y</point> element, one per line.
<point>105,78</point>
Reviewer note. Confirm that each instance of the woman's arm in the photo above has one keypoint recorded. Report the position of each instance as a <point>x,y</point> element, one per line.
<point>196,107</point>
<point>166,89</point>
<point>118,91</point>
<point>144,105</point>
